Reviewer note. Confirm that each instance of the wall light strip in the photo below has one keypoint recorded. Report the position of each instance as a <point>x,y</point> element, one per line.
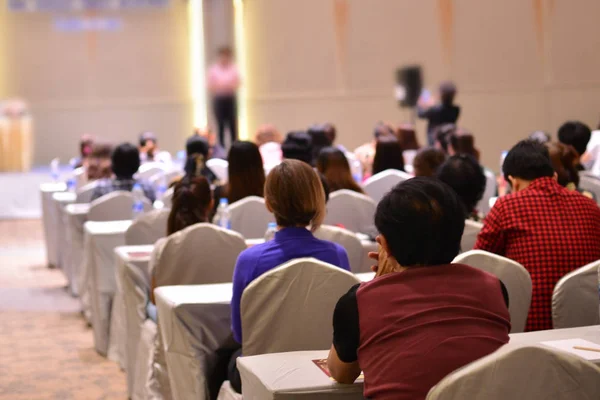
<point>240,50</point>
<point>197,65</point>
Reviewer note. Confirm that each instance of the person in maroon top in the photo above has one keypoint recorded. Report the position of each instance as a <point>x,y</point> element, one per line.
<point>545,227</point>
<point>422,317</point>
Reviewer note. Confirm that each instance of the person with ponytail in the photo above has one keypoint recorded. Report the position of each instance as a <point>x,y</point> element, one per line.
<point>197,149</point>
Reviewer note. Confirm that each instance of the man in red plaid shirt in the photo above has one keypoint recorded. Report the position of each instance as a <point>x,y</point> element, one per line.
<point>548,229</point>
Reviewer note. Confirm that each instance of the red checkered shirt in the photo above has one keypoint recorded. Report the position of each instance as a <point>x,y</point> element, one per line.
<point>549,230</point>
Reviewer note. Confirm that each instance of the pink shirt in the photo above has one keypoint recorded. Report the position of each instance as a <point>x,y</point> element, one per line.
<point>223,80</point>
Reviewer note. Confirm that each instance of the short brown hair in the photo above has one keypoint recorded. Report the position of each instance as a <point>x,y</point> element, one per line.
<point>295,195</point>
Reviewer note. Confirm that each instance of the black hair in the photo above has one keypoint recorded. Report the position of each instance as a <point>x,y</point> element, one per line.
<point>145,136</point>
<point>197,145</point>
<point>388,155</point>
<point>422,221</point>
<point>297,146</point>
<point>443,134</point>
<point>464,174</point>
<point>197,149</point>
<point>125,161</point>
<point>319,139</point>
<point>447,93</point>
<point>528,160</point>
<point>576,134</point>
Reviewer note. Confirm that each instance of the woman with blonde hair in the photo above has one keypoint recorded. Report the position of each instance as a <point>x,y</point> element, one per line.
<point>294,194</point>
<point>334,166</point>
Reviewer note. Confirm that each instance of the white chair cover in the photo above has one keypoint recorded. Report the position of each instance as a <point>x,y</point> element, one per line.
<point>84,194</point>
<point>575,298</point>
<point>115,206</point>
<point>591,184</point>
<point>80,176</point>
<point>515,277</point>
<point>143,374</point>
<point>168,198</point>
<point>490,191</point>
<point>289,308</point>
<point>409,156</point>
<point>150,169</point>
<point>200,254</point>
<point>148,228</point>
<point>524,373</point>
<point>49,219</point>
<point>353,210</point>
<point>168,177</point>
<point>379,184</point>
<point>348,240</point>
<point>250,217</point>
<point>469,237</point>
<point>219,167</point>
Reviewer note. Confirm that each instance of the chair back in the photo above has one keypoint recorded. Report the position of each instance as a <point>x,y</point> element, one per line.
<point>80,175</point>
<point>289,308</point>
<point>345,238</point>
<point>84,193</point>
<point>200,254</point>
<point>409,156</point>
<point>469,237</point>
<point>148,228</point>
<point>220,168</point>
<point>523,373</point>
<point>353,210</point>
<point>513,275</point>
<point>167,198</point>
<point>250,217</point>
<point>167,176</point>
<point>591,184</point>
<point>575,298</point>
<point>115,206</point>
<point>150,169</point>
<point>490,191</point>
<point>379,184</point>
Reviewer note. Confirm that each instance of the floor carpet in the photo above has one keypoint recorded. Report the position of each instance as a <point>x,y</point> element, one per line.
<point>46,349</point>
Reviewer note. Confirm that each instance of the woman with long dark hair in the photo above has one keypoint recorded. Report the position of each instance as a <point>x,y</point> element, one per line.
<point>388,155</point>
<point>333,165</point>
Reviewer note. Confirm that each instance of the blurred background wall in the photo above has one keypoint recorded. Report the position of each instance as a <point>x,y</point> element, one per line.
<point>520,65</point>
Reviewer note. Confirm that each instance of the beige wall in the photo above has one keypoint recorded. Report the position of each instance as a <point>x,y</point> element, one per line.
<point>111,84</point>
<point>518,67</point>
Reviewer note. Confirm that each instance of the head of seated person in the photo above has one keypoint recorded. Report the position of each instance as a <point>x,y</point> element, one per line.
<point>246,175</point>
<point>464,174</point>
<point>428,309</point>
<point>427,161</point>
<point>442,135</point>
<point>148,146</point>
<point>125,162</point>
<point>197,149</point>
<point>576,134</point>
<point>267,133</point>
<point>407,136</point>
<point>564,161</point>
<point>462,142</point>
<point>98,162</point>
<point>333,165</point>
<point>86,142</point>
<point>319,139</point>
<point>388,155</point>
<point>191,204</point>
<point>526,162</point>
<point>540,136</point>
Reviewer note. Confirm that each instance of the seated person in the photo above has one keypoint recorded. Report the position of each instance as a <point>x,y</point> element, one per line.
<point>97,164</point>
<point>439,114</point>
<point>564,161</point>
<point>246,176</point>
<point>407,136</point>
<point>295,195</point>
<point>421,317</point>
<point>149,151</point>
<point>388,155</point>
<point>215,148</point>
<point>268,140</point>
<point>464,174</point>
<point>334,166</point>
<point>191,204</point>
<point>197,149</point>
<point>548,229</point>
<point>578,135</point>
<point>125,162</point>
<point>366,152</point>
<point>427,161</point>
<point>319,139</point>
<point>85,149</point>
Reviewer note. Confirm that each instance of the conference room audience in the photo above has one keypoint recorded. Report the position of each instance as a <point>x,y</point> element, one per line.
<point>366,153</point>
<point>149,151</point>
<point>98,164</point>
<point>294,194</point>
<point>388,155</point>
<point>466,177</point>
<point>578,135</point>
<point>297,146</point>
<point>246,176</point>
<point>125,161</point>
<point>427,161</point>
<point>215,150</point>
<point>333,165</point>
<point>319,140</point>
<point>545,227</point>
<point>421,317</point>
<point>191,204</point>
<point>446,112</point>
<point>197,149</point>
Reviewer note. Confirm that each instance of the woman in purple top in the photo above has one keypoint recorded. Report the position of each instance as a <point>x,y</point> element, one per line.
<point>294,194</point>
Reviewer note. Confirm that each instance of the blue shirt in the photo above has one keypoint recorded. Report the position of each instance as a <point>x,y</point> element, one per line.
<point>289,244</point>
